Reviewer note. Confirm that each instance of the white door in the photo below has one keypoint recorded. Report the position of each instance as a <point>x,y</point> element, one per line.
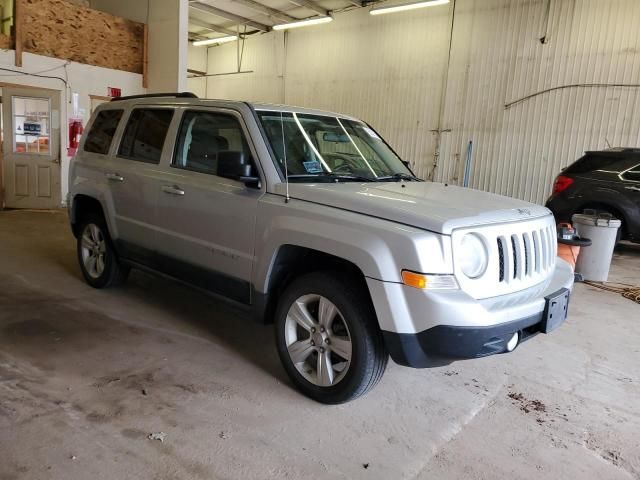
<point>31,150</point>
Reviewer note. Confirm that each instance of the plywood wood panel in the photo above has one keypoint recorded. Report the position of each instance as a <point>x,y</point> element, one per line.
<point>6,42</point>
<point>61,29</point>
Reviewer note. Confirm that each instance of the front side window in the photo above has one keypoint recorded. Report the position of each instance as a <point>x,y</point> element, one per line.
<point>102,131</point>
<point>632,175</point>
<point>204,136</point>
<point>319,147</point>
<point>144,136</point>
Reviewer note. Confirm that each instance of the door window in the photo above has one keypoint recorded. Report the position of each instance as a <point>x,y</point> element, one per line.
<point>102,131</point>
<point>145,134</point>
<point>632,175</point>
<point>203,135</point>
<point>31,122</point>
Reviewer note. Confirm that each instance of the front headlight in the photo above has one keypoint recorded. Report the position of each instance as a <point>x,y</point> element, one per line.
<point>473,257</point>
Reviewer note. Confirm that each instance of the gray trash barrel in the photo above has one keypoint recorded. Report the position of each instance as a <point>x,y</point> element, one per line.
<point>594,261</point>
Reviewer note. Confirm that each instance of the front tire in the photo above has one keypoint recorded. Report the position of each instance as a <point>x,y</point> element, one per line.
<point>328,338</point>
<point>98,260</point>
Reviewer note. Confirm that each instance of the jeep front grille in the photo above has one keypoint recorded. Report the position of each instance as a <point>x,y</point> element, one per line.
<point>530,253</point>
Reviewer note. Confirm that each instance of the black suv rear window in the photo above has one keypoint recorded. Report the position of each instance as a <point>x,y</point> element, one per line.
<point>591,163</point>
<point>102,131</point>
<point>144,136</point>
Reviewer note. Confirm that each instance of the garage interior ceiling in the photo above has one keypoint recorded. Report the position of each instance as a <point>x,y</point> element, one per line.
<point>218,18</point>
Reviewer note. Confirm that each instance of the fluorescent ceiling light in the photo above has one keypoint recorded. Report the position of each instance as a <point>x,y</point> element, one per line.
<point>212,41</point>
<point>303,23</point>
<point>406,6</point>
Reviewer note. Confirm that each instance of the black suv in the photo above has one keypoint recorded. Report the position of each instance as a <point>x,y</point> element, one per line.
<point>608,181</point>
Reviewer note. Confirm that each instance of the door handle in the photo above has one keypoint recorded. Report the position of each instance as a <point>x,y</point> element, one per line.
<point>172,190</point>
<point>114,177</point>
<point>635,189</point>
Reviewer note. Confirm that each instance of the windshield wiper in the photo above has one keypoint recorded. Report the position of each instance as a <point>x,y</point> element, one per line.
<point>397,177</point>
<point>335,176</point>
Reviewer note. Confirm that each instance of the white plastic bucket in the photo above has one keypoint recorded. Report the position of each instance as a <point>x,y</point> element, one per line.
<point>594,261</point>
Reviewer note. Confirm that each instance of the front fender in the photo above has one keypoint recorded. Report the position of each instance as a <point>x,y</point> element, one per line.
<point>380,248</point>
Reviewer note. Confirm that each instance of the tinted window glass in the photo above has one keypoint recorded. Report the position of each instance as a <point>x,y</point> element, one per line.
<point>633,174</point>
<point>592,163</point>
<point>145,134</point>
<point>102,131</point>
<point>203,135</point>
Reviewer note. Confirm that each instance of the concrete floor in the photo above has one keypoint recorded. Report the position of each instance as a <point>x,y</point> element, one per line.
<point>86,375</point>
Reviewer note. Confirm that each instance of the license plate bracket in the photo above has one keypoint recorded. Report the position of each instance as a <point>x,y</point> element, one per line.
<point>555,310</point>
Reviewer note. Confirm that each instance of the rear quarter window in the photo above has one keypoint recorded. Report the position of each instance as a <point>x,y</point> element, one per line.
<point>593,163</point>
<point>144,136</point>
<point>632,175</point>
<point>102,130</point>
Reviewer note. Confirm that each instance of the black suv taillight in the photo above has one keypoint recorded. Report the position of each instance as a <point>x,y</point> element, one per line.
<point>561,184</point>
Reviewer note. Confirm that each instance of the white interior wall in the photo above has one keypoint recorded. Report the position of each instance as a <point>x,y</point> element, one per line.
<point>197,60</point>
<point>390,70</point>
<point>263,55</point>
<point>82,79</point>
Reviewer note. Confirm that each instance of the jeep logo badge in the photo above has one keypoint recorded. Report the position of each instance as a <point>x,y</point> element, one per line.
<point>524,211</point>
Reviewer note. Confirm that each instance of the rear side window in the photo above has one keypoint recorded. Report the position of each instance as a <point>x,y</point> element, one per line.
<point>102,131</point>
<point>144,136</point>
<point>632,175</point>
<point>592,163</point>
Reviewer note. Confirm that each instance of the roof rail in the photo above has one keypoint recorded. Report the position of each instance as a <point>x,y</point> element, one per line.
<point>155,95</point>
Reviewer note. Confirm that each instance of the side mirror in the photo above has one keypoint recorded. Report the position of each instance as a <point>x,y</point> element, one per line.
<point>235,165</point>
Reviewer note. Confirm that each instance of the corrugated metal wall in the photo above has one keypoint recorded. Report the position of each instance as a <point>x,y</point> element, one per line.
<point>390,70</point>
<point>497,58</point>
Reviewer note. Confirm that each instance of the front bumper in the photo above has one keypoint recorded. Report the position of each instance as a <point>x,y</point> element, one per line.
<point>444,344</point>
<point>423,329</point>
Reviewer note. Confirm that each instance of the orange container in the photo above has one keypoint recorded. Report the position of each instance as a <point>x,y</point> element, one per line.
<point>569,253</point>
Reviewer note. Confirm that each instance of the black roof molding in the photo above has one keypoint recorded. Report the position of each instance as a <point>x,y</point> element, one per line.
<point>615,151</point>
<point>157,95</point>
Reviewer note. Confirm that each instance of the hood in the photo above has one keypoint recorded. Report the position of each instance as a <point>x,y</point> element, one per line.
<point>430,206</point>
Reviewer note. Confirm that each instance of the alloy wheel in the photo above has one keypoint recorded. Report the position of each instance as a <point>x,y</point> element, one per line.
<point>318,340</point>
<point>94,250</point>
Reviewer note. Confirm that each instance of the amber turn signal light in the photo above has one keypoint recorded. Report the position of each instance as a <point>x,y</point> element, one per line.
<point>415,280</point>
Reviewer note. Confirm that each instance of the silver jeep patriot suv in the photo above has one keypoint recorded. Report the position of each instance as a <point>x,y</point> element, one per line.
<point>310,220</point>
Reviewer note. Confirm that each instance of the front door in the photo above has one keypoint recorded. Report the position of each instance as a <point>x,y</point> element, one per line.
<point>206,223</point>
<point>31,149</point>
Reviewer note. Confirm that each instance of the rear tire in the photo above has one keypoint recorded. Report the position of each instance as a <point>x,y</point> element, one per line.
<point>98,259</point>
<point>328,337</point>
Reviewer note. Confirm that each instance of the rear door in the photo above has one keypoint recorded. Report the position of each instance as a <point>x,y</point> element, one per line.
<point>132,174</point>
<point>206,223</point>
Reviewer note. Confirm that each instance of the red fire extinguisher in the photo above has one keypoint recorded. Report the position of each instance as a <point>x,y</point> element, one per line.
<point>75,132</point>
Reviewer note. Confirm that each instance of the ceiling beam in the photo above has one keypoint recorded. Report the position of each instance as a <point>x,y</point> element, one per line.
<point>268,11</point>
<point>200,35</point>
<point>211,27</point>
<point>310,4</point>
<point>203,7</point>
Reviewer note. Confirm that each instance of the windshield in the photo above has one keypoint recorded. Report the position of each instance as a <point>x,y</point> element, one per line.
<point>318,147</point>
